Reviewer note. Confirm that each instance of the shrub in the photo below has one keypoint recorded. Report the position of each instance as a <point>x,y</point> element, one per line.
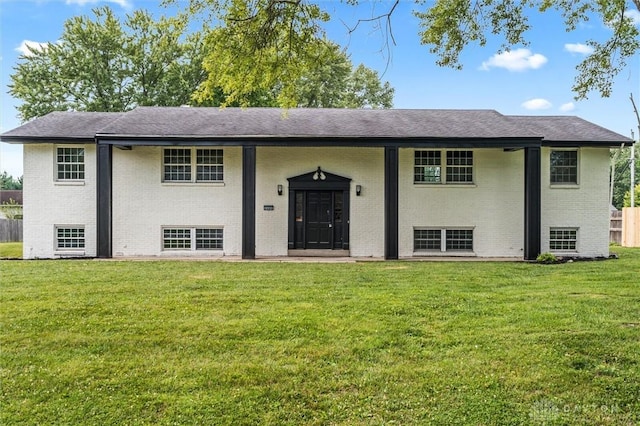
<point>546,257</point>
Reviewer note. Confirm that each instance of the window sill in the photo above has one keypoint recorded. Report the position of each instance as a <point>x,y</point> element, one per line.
<point>69,253</point>
<point>564,186</point>
<point>208,184</point>
<point>443,185</point>
<point>192,253</point>
<point>69,183</point>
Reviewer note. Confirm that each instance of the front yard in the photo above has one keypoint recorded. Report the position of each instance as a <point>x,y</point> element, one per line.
<point>196,342</point>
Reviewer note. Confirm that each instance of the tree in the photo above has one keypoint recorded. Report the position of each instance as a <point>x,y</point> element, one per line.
<point>103,65</point>
<point>623,175</point>
<point>636,199</point>
<point>277,32</point>
<point>9,182</point>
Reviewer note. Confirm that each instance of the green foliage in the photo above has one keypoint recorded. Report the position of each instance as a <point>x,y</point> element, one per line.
<point>272,36</point>
<point>623,174</point>
<point>102,64</point>
<point>636,197</point>
<point>546,257</point>
<point>205,342</point>
<point>9,182</point>
<point>11,209</point>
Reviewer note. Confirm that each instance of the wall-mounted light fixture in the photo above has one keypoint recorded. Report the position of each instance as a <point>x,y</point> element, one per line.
<point>279,189</point>
<point>358,190</point>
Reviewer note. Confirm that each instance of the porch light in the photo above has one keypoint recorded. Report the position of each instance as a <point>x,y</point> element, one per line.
<point>279,189</point>
<point>358,190</point>
<point>319,174</point>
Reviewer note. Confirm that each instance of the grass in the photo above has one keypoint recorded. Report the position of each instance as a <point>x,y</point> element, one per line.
<point>10,250</point>
<point>95,342</point>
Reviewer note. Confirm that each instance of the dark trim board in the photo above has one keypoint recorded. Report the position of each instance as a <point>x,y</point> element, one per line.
<point>532,203</point>
<point>391,202</point>
<point>248,202</point>
<point>104,201</point>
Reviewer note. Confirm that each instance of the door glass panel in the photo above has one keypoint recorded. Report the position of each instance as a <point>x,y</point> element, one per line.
<point>299,206</point>
<point>337,212</point>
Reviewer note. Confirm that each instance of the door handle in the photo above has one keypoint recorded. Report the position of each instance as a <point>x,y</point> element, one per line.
<point>331,225</point>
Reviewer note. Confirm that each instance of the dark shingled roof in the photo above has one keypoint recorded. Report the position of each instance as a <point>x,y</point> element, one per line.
<point>264,123</point>
<point>307,122</point>
<point>567,129</point>
<point>63,125</point>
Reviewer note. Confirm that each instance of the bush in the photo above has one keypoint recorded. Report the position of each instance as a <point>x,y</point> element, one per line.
<point>547,258</point>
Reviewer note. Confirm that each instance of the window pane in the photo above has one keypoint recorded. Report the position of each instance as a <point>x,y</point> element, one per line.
<point>209,165</point>
<point>70,238</point>
<point>177,165</point>
<point>563,239</point>
<point>460,239</point>
<point>564,167</point>
<point>208,239</point>
<point>459,166</point>
<point>70,163</point>
<point>427,239</point>
<point>176,238</point>
<point>427,166</point>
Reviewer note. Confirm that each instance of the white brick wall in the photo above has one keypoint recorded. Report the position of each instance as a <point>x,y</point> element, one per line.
<point>48,203</point>
<point>143,205</point>
<point>493,206</point>
<point>584,206</point>
<point>364,166</point>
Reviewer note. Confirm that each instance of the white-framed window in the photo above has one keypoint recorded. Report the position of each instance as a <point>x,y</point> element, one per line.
<point>192,238</point>
<point>69,163</point>
<point>179,164</point>
<point>428,166</point>
<point>69,237</point>
<point>563,167</point>
<point>563,239</point>
<point>443,240</point>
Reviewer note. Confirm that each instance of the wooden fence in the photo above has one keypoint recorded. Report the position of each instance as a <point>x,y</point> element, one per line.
<point>631,227</point>
<point>10,230</point>
<point>615,227</point>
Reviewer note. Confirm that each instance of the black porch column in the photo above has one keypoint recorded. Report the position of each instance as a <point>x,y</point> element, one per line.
<point>391,202</point>
<point>104,184</point>
<point>248,202</point>
<point>532,203</point>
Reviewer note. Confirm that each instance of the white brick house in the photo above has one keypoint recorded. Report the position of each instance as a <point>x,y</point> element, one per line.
<point>267,182</point>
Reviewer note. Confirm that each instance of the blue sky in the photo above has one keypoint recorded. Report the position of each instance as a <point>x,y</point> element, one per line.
<point>531,80</point>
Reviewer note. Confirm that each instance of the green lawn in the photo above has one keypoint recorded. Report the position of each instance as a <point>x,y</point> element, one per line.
<point>10,250</point>
<point>194,342</point>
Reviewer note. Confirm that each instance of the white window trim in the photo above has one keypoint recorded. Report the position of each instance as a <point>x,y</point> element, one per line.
<point>70,251</point>
<point>565,228</point>
<point>192,248</point>
<point>443,242</point>
<point>443,170</point>
<point>68,182</point>
<point>565,185</point>
<point>194,169</point>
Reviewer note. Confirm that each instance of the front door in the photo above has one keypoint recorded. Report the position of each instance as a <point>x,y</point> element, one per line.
<point>319,220</point>
<point>319,211</point>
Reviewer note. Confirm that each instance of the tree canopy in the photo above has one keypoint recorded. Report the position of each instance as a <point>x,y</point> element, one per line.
<point>276,34</point>
<point>103,64</point>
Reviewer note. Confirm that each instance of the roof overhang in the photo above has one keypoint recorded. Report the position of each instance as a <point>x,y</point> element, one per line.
<point>319,141</point>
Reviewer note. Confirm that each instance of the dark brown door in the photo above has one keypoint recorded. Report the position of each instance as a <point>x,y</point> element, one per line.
<point>319,220</point>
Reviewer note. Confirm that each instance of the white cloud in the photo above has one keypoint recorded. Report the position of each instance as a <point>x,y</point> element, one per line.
<point>634,15</point>
<point>515,60</point>
<point>35,45</point>
<point>569,106</point>
<point>578,48</point>
<point>125,4</point>
<point>537,104</point>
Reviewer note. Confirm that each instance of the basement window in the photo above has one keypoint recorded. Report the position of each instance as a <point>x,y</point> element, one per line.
<point>192,238</point>
<point>442,240</point>
<point>563,239</point>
